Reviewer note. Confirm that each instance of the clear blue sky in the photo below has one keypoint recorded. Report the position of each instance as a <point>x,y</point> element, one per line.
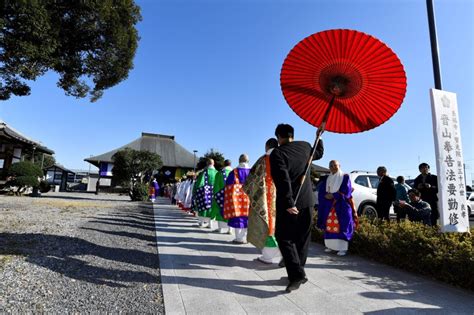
<point>208,73</point>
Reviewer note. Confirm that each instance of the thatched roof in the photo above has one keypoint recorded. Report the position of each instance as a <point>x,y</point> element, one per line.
<point>172,153</point>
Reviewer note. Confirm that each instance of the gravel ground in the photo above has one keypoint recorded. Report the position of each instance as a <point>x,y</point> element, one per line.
<point>73,252</point>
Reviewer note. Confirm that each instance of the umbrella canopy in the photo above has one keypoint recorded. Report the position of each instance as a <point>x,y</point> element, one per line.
<point>363,76</point>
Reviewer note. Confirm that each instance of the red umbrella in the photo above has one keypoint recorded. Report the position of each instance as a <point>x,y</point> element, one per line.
<point>362,75</point>
<point>343,81</point>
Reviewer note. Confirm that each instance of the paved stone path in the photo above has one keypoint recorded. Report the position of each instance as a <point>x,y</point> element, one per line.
<point>204,272</point>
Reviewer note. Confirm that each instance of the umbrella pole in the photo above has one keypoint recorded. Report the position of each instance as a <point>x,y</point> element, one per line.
<point>315,145</point>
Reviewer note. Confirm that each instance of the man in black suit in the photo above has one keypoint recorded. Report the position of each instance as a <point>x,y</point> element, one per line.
<point>293,220</point>
<point>386,194</point>
<point>427,185</point>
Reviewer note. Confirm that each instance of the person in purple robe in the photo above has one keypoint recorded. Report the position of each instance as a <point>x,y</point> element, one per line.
<point>239,224</point>
<point>155,190</point>
<point>336,213</point>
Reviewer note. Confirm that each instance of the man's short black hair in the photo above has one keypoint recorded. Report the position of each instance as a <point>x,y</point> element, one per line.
<point>227,163</point>
<point>414,191</point>
<point>271,143</point>
<point>400,179</point>
<point>284,131</point>
<point>423,165</point>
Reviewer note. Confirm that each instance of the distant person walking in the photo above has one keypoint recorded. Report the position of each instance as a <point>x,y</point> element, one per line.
<point>385,194</point>
<point>97,185</point>
<point>153,190</point>
<point>336,213</point>
<point>427,185</point>
<point>293,218</point>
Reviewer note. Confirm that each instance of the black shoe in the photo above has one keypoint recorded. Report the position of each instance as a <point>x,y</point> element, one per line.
<point>281,264</point>
<point>294,285</point>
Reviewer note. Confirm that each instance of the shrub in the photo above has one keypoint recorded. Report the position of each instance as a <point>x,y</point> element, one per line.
<point>139,192</point>
<point>25,168</point>
<point>44,186</point>
<point>23,175</point>
<point>415,247</point>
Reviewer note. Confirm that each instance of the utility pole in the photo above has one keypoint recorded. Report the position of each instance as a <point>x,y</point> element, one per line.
<point>194,163</point>
<point>434,44</point>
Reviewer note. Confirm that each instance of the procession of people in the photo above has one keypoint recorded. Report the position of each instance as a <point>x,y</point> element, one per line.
<point>261,205</point>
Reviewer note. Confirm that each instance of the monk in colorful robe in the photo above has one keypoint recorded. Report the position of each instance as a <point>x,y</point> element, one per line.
<point>336,213</point>
<point>237,214</point>
<point>188,195</point>
<point>262,213</point>
<point>203,195</point>
<point>153,190</point>
<point>219,187</point>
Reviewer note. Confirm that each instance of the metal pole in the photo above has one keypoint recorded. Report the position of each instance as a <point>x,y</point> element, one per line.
<point>434,44</point>
<point>33,155</point>
<point>194,163</point>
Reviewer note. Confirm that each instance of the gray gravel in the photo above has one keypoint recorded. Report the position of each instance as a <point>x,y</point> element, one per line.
<point>79,253</point>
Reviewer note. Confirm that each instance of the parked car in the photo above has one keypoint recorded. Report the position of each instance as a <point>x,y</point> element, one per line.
<point>409,182</point>
<point>470,204</point>
<point>364,192</point>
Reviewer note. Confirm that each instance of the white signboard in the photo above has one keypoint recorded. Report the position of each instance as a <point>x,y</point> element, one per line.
<point>449,161</point>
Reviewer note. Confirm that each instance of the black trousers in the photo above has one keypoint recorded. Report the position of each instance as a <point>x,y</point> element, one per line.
<point>293,234</point>
<point>434,212</point>
<point>383,210</point>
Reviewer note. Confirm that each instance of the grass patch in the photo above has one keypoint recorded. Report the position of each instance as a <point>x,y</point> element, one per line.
<point>68,205</point>
<point>4,260</point>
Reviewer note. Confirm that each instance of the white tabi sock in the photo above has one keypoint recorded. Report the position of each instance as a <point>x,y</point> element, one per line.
<point>241,235</point>
<point>270,255</point>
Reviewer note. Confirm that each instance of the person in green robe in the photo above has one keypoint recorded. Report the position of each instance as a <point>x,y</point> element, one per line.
<point>203,203</point>
<point>219,187</point>
<point>262,193</point>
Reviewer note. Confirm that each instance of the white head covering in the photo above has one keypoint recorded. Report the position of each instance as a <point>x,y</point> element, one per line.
<point>243,165</point>
<point>334,181</point>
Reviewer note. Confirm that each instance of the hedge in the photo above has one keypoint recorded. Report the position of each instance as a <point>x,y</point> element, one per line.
<point>415,247</point>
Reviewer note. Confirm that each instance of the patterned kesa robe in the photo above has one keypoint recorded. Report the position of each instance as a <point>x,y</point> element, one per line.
<point>200,182</point>
<point>238,222</point>
<point>262,193</point>
<point>219,187</point>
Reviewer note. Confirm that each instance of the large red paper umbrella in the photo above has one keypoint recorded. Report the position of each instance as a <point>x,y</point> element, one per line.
<point>342,81</point>
<point>349,78</point>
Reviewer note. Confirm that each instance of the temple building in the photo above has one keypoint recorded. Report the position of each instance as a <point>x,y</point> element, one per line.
<point>14,146</point>
<point>177,161</point>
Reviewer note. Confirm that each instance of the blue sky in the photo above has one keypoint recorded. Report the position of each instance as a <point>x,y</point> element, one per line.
<point>207,71</point>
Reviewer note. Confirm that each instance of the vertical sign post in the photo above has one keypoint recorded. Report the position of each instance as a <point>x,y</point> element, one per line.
<point>452,202</point>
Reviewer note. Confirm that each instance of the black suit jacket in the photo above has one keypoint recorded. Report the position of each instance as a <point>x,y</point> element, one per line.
<point>288,163</point>
<point>429,195</point>
<point>386,191</point>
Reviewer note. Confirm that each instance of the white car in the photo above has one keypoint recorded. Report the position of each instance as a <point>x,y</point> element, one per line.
<point>470,204</point>
<point>364,192</point>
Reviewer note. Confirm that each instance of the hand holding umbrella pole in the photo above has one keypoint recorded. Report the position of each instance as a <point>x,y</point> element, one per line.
<point>319,132</point>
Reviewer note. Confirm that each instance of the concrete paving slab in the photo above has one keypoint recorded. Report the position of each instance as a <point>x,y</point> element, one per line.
<point>203,272</point>
<point>216,302</point>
